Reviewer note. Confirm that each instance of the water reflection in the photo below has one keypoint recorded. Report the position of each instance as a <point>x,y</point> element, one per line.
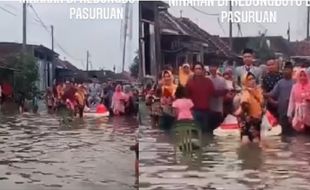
<point>87,154</point>
<point>223,163</point>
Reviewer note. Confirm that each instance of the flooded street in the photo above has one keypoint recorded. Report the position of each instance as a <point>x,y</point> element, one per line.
<point>223,164</point>
<point>89,154</point>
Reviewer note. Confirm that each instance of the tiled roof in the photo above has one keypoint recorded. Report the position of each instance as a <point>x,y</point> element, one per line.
<point>184,26</point>
<point>4,65</point>
<point>277,43</point>
<point>13,47</point>
<point>301,48</point>
<point>8,49</point>
<point>213,41</point>
<point>65,65</point>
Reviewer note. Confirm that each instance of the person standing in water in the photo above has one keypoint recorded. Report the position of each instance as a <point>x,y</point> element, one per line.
<point>118,101</point>
<point>241,71</point>
<point>1,101</point>
<point>281,94</point>
<point>269,81</point>
<point>216,102</point>
<point>167,95</point>
<point>94,92</point>
<point>250,111</point>
<point>108,94</point>
<point>200,89</point>
<point>183,105</point>
<point>184,74</point>
<point>21,101</point>
<point>298,109</point>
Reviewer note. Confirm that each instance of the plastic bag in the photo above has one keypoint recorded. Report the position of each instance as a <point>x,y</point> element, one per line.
<point>270,125</point>
<point>229,127</point>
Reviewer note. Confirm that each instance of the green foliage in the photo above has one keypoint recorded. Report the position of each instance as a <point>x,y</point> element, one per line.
<point>260,46</point>
<point>26,75</point>
<point>134,67</point>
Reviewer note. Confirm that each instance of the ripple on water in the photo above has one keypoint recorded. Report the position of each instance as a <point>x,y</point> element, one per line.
<point>37,154</point>
<point>223,164</point>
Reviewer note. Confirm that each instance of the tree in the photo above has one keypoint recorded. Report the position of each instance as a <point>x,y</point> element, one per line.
<point>134,67</point>
<point>26,75</point>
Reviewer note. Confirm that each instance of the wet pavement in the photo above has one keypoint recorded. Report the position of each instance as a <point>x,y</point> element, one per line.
<point>89,154</point>
<point>223,164</point>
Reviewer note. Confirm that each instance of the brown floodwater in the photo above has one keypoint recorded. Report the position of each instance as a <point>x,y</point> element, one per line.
<point>37,153</point>
<point>223,163</point>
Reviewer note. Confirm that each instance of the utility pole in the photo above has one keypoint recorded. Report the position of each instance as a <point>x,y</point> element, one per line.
<point>87,60</point>
<point>141,40</point>
<point>24,27</point>
<point>158,61</point>
<point>125,36</point>
<point>53,64</point>
<point>288,32</point>
<point>308,20</point>
<point>230,28</point>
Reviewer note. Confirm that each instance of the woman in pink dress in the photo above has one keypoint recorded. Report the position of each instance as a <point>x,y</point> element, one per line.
<point>299,103</point>
<point>118,101</point>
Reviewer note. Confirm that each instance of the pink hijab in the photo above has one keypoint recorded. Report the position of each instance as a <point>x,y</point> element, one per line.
<point>118,93</point>
<point>300,93</point>
<point>299,87</point>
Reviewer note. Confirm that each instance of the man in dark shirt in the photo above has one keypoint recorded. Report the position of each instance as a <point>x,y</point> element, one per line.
<point>108,93</point>
<point>200,89</point>
<point>273,75</point>
<point>270,80</point>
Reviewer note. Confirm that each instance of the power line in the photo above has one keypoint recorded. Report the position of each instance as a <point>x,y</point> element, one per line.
<point>205,13</point>
<point>40,21</point>
<point>11,6</point>
<point>221,26</point>
<point>8,11</point>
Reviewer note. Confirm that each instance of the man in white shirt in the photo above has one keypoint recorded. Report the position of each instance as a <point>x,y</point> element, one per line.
<point>216,102</point>
<point>241,71</point>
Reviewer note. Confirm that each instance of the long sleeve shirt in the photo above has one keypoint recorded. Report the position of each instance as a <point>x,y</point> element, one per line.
<point>200,90</point>
<point>241,71</point>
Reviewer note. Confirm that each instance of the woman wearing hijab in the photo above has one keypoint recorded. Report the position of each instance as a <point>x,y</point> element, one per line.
<point>80,98</point>
<point>251,109</point>
<point>168,90</point>
<point>299,103</point>
<point>168,86</point>
<point>118,101</point>
<point>184,74</point>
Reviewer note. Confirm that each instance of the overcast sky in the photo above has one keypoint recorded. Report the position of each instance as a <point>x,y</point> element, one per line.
<point>101,37</point>
<point>297,16</point>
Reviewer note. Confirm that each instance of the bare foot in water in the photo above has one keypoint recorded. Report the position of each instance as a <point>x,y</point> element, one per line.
<point>256,140</point>
<point>245,140</point>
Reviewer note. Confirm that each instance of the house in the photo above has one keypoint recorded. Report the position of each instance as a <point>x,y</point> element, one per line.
<point>301,54</point>
<point>149,37</point>
<point>184,41</point>
<point>105,75</point>
<point>43,55</point>
<point>279,45</point>
<point>66,71</point>
<point>168,40</point>
<point>6,73</point>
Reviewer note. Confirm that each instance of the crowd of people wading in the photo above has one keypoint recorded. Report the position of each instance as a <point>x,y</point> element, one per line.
<point>80,98</point>
<point>206,97</point>
<point>109,97</point>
